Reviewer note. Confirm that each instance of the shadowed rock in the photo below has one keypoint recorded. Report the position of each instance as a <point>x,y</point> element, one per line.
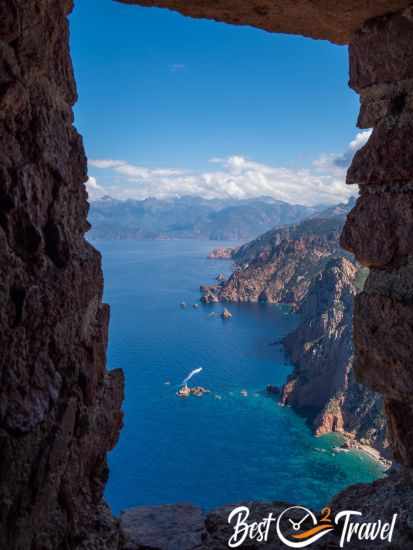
<point>169,527</point>
<point>317,19</point>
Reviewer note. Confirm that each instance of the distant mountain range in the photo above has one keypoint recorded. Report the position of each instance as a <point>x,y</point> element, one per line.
<point>192,218</point>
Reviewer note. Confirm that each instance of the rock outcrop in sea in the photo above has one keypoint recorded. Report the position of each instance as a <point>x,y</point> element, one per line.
<point>226,314</point>
<point>186,391</point>
<point>223,253</point>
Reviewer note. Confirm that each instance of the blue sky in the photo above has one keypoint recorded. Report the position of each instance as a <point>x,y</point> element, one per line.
<point>161,95</point>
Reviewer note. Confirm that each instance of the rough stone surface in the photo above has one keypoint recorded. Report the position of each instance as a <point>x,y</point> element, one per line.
<point>59,407</point>
<point>167,527</point>
<point>381,70</point>
<point>185,527</point>
<point>396,284</point>
<point>400,421</point>
<point>380,500</point>
<point>382,51</point>
<point>385,159</point>
<point>376,501</point>
<point>219,530</point>
<point>387,99</point>
<point>380,322</point>
<point>383,336</point>
<point>328,19</point>
<point>379,230</point>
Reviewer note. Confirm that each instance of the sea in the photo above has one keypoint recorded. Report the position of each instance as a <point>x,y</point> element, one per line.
<point>233,444</point>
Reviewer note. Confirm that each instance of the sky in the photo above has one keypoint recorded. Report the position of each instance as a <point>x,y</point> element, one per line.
<point>171,106</point>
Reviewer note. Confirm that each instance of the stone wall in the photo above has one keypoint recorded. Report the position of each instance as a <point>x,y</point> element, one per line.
<point>379,231</point>
<point>59,407</point>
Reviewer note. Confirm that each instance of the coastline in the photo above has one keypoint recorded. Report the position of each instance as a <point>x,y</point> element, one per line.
<point>352,444</point>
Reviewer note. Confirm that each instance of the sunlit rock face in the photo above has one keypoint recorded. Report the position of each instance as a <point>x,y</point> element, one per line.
<point>379,231</point>
<point>59,407</point>
<point>332,20</point>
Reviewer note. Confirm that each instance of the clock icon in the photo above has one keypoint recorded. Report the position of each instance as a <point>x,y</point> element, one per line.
<point>297,527</point>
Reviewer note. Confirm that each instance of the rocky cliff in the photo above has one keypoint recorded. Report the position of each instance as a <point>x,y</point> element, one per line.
<point>303,265</point>
<point>59,406</point>
<point>278,267</point>
<point>317,19</point>
<point>323,384</point>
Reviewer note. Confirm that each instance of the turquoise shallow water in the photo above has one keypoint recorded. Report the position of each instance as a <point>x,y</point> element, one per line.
<point>223,447</point>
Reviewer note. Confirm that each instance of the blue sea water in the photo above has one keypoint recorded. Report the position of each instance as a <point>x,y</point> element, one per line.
<point>224,447</point>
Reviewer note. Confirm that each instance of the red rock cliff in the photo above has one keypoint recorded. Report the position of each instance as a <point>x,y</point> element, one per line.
<point>278,267</point>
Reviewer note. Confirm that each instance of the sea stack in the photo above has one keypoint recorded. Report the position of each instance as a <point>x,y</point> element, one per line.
<point>224,253</point>
<point>186,391</point>
<point>226,314</point>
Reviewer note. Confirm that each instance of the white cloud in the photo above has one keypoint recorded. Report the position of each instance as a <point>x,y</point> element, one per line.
<point>236,177</point>
<point>338,163</point>
<point>360,140</point>
<point>131,170</point>
<point>94,190</point>
<point>105,163</point>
